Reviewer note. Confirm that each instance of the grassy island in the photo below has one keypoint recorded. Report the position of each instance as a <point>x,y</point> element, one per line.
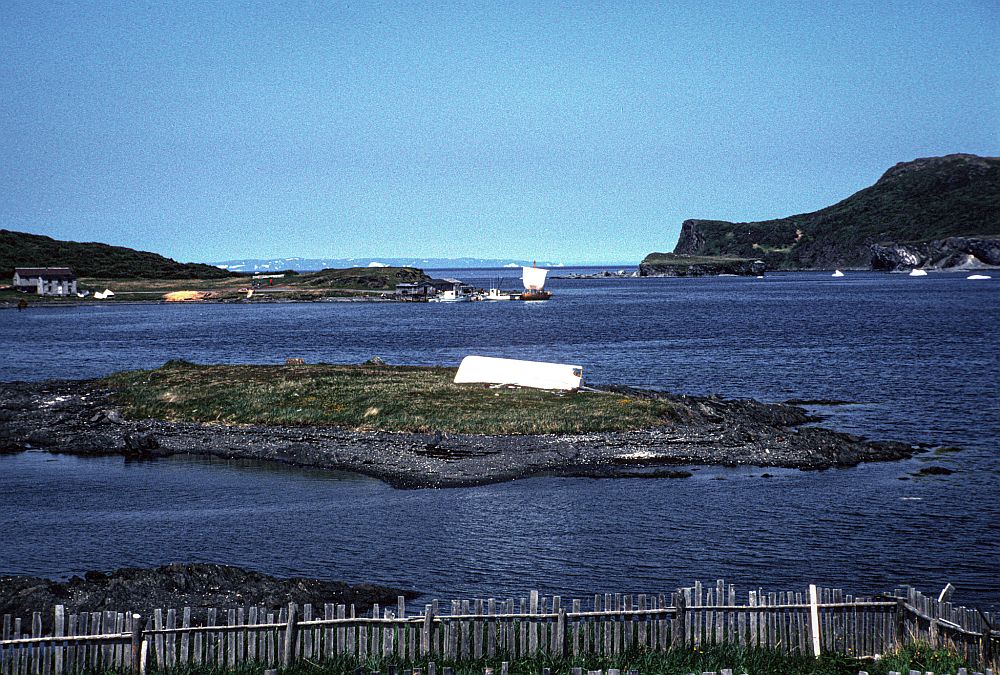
<point>373,398</point>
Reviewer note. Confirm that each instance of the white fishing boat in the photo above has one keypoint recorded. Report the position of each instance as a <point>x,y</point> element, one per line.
<point>495,294</point>
<point>449,296</point>
<point>533,279</point>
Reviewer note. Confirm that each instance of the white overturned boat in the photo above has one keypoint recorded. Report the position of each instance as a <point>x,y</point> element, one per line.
<point>535,374</point>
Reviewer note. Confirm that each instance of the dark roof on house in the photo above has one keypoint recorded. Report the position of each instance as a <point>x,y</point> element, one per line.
<point>445,284</point>
<point>47,272</point>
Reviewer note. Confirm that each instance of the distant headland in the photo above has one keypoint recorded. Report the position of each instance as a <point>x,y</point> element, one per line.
<point>932,213</point>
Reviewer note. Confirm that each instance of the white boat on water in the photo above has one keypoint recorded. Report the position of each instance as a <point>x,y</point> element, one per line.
<point>918,273</point>
<point>449,296</point>
<point>495,294</point>
<point>837,273</point>
<point>533,279</point>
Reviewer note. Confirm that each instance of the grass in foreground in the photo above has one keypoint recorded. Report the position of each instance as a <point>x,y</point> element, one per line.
<point>673,662</point>
<point>386,398</point>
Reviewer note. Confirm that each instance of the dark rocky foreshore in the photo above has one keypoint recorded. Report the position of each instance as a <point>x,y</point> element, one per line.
<point>80,417</point>
<point>200,586</point>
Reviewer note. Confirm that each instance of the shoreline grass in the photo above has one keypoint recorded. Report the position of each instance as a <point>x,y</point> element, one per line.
<point>753,661</point>
<point>372,398</point>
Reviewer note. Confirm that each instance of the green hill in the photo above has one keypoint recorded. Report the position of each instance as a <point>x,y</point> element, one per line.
<point>360,278</point>
<point>21,249</point>
<point>910,217</point>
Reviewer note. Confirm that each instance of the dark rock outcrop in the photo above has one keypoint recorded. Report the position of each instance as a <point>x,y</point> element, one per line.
<point>944,254</point>
<point>197,585</point>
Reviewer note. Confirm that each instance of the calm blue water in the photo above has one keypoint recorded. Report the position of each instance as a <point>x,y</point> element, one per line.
<point>919,357</point>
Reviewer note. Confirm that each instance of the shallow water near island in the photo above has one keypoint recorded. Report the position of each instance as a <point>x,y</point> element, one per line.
<point>918,358</point>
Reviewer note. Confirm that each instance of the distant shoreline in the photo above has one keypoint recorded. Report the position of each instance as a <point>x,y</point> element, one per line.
<point>85,302</point>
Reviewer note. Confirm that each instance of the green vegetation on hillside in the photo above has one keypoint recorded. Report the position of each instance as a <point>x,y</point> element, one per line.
<point>21,249</point>
<point>356,282</point>
<point>674,259</point>
<point>360,278</point>
<point>388,398</point>
<point>923,200</point>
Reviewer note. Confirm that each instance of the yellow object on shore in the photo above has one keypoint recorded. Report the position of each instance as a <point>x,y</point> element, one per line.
<point>183,296</point>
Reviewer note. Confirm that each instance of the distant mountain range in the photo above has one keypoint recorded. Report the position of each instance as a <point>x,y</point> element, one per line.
<point>936,212</point>
<point>314,264</point>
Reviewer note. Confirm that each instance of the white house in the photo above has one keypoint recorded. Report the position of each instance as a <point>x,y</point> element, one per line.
<point>45,280</point>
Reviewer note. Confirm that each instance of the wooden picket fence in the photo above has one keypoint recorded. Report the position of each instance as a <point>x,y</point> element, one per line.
<point>818,620</point>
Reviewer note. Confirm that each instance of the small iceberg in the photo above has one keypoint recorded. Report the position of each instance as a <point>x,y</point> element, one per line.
<point>918,273</point>
<point>837,273</point>
<point>979,276</point>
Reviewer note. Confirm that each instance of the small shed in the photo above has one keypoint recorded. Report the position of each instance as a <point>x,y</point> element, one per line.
<point>45,280</point>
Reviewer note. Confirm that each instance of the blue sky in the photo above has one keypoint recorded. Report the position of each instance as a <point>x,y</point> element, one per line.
<point>557,130</point>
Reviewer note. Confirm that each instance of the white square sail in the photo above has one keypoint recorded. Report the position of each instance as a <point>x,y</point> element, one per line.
<point>533,278</point>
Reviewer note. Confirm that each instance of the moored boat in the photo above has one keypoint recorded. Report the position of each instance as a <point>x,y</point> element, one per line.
<point>449,296</point>
<point>533,279</point>
<point>495,294</point>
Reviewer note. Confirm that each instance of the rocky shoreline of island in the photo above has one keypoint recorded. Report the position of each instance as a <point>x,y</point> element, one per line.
<point>199,586</point>
<point>82,418</point>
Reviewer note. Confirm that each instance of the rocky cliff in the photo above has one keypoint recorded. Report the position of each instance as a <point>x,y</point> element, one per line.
<point>939,212</point>
<point>949,253</point>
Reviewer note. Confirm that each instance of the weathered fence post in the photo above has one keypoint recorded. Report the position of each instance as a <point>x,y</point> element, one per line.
<point>987,650</point>
<point>559,639</point>
<point>946,592</point>
<point>59,631</point>
<point>137,643</point>
<point>677,638</point>
<point>900,622</point>
<point>425,633</point>
<point>291,634</point>
<point>814,618</point>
